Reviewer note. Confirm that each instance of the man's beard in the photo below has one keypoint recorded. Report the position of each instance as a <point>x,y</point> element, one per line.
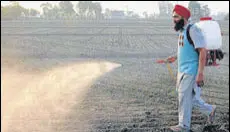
<point>179,25</point>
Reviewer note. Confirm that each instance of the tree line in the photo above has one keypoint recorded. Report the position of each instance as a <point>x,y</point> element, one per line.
<point>14,10</point>
<point>93,10</point>
<point>64,9</point>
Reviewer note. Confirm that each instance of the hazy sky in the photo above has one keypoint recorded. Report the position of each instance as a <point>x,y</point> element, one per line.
<point>136,6</point>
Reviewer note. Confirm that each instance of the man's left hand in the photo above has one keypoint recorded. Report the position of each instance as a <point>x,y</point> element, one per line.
<point>199,79</point>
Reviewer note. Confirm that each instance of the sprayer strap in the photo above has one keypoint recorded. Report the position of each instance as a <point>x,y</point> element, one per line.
<point>190,39</point>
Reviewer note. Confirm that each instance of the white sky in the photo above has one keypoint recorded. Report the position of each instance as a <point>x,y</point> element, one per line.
<point>136,6</point>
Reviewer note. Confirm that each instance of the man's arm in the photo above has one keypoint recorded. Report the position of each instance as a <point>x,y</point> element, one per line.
<point>202,60</point>
<point>197,37</point>
<point>200,44</point>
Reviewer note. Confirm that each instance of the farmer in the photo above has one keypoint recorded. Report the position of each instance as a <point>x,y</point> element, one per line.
<point>190,70</point>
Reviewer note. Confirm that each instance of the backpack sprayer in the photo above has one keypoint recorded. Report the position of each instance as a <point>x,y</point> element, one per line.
<point>213,37</point>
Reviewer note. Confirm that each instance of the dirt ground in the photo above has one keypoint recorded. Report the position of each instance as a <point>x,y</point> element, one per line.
<point>72,83</point>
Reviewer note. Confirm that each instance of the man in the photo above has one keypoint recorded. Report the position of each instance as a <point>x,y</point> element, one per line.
<point>190,70</point>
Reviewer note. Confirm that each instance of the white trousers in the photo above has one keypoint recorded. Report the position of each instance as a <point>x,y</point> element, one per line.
<point>189,96</point>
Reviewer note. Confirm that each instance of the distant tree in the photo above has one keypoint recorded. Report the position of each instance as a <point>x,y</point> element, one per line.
<point>47,7</point>
<point>130,13</point>
<point>66,7</point>
<point>152,16</point>
<point>163,8</point>
<point>145,14</point>
<point>107,13</point>
<point>4,11</point>
<point>196,11</point>
<point>221,16</point>
<point>170,8</point>
<point>205,11</point>
<point>82,8</point>
<point>26,12</point>
<point>12,11</point>
<point>88,9</point>
<point>136,16</point>
<point>33,12</point>
<point>98,10</point>
<point>56,12</point>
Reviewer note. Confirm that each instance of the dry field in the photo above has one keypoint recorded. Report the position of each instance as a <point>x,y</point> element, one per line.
<point>83,76</point>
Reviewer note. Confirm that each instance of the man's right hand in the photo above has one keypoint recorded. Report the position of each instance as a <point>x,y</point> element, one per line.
<point>171,59</point>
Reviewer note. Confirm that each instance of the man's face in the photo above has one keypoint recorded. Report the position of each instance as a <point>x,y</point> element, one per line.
<point>178,21</point>
<point>176,17</point>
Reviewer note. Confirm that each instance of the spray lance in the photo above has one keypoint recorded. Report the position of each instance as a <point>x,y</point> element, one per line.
<point>167,62</point>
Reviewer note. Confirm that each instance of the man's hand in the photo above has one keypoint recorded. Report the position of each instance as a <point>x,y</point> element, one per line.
<point>200,79</point>
<point>171,59</point>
